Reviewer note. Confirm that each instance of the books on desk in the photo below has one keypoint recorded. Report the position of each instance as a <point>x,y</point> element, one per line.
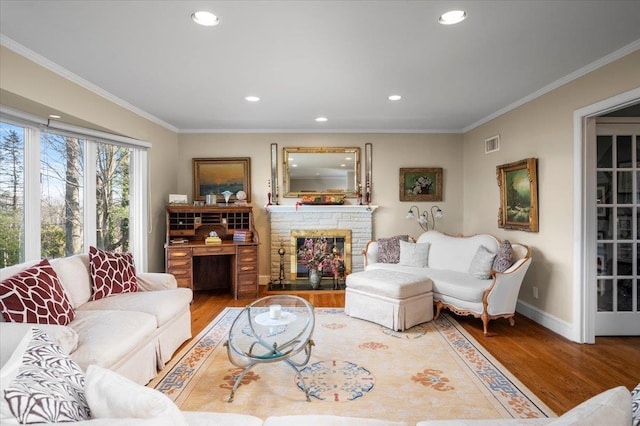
<point>212,240</point>
<point>242,235</point>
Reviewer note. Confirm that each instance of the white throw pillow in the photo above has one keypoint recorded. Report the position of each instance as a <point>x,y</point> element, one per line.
<point>482,263</point>
<point>111,395</point>
<point>412,254</point>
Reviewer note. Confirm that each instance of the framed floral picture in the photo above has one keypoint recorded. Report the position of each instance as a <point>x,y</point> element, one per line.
<point>421,184</point>
<point>518,183</point>
<point>217,175</point>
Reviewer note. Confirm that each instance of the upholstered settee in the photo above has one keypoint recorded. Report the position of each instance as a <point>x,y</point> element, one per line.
<point>40,383</point>
<point>133,332</point>
<point>462,269</point>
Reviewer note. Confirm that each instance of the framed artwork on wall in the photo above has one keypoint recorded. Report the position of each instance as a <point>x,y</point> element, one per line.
<point>518,184</point>
<point>421,184</point>
<point>213,176</point>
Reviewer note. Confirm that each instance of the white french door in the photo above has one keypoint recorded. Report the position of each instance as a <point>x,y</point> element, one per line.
<point>618,227</point>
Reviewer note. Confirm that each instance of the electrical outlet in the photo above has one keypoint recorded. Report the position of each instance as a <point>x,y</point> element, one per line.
<point>535,292</point>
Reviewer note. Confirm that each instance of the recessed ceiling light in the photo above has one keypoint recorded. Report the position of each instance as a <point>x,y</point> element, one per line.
<point>395,97</point>
<point>252,98</point>
<point>54,116</point>
<point>322,119</point>
<point>452,17</point>
<point>205,18</point>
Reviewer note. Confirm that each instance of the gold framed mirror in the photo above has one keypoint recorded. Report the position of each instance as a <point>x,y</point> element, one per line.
<point>321,171</point>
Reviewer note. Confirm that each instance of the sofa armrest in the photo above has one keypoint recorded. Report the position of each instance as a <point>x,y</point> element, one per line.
<point>502,296</point>
<point>370,253</point>
<point>152,281</point>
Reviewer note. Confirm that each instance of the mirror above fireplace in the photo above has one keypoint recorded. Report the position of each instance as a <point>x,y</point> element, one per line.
<point>321,171</point>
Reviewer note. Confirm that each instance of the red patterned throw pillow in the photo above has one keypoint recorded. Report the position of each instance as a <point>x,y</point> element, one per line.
<point>35,295</point>
<point>112,273</point>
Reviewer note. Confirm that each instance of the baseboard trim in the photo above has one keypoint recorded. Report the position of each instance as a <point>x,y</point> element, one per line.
<point>551,322</point>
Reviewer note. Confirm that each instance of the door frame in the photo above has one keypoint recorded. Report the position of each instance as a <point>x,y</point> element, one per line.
<point>584,193</point>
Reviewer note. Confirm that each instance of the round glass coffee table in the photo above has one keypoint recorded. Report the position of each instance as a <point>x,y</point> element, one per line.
<point>271,329</point>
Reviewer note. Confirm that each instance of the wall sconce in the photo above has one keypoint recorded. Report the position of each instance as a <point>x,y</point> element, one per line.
<point>424,220</point>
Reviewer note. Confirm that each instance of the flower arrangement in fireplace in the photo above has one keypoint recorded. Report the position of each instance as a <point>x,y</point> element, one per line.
<point>314,253</point>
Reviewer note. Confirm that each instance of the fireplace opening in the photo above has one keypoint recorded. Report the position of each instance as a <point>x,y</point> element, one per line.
<point>328,251</point>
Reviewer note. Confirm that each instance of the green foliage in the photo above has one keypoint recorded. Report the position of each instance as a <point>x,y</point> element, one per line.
<point>10,237</point>
<point>52,241</point>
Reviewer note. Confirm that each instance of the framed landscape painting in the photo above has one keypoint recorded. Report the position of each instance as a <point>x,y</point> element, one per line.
<point>217,175</point>
<point>518,183</point>
<point>421,184</point>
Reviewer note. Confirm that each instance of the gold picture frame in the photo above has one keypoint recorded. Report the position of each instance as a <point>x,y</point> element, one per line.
<point>216,175</point>
<point>421,184</point>
<point>518,184</point>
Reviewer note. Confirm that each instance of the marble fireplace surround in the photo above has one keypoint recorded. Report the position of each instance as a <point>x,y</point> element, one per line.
<point>284,219</point>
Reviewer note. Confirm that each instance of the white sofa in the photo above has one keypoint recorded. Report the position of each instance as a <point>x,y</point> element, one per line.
<point>132,404</point>
<point>134,334</point>
<point>454,287</point>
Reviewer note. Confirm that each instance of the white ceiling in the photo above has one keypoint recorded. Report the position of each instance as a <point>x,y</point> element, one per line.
<point>339,59</point>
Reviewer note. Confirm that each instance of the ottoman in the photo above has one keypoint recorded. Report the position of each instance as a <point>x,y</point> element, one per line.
<point>396,300</point>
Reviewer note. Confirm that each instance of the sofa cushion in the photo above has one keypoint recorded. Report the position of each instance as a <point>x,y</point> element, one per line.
<point>111,395</point>
<point>481,263</point>
<point>35,295</point>
<point>611,407</point>
<point>327,420</point>
<point>106,337</point>
<point>464,286</point>
<point>635,405</point>
<point>504,257</point>
<point>389,248</point>
<point>203,418</point>
<point>384,282</point>
<point>112,273</point>
<point>45,386</point>
<point>162,304</point>
<point>413,254</point>
<point>73,272</point>
<point>455,253</point>
<point>11,332</point>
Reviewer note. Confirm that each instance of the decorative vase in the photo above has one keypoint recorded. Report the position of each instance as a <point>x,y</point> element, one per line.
<point>314,278</point>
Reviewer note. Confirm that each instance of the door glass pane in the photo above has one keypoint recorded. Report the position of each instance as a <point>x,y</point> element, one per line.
<point>625,223</point>
<point>605,257</point>
<point>624,295</point>
<point>604,152</point>
<point>625,259</point>
<point>624,151</point>
<point>604,187</point>
<point>61,200</point>
<point>625,187</point>
<point>605,296</point>
<point>605,224</point>
<point>112,197</point>
<point>11,194</point>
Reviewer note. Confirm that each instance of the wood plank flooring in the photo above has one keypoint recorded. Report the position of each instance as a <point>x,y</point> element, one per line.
<point>561,373</point>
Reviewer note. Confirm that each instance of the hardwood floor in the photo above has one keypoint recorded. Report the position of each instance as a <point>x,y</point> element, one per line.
<point>561,373</point>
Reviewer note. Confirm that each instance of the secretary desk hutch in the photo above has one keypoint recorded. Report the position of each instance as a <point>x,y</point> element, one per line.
<point>229,265</point>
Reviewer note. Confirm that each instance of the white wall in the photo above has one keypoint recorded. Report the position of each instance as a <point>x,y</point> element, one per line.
<point>542,128</point>
<point>390,153</point>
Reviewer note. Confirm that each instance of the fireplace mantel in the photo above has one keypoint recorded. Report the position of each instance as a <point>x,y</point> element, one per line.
<point>320,208</point>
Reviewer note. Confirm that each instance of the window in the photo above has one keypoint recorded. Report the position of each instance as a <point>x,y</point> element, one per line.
<point>63,190</point>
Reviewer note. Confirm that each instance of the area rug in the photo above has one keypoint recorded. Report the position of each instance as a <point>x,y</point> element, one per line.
<point>357,368</point>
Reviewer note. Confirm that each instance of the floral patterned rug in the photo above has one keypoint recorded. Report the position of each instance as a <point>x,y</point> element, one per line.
<point>360,369</point>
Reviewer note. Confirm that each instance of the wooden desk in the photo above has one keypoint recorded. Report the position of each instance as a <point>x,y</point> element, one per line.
<point>230,265</point>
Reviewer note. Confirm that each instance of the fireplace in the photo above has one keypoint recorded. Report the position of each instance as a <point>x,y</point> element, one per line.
<point>332,247</point>
<point>284,219</point>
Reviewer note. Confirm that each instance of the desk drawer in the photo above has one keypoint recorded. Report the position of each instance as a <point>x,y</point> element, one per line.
<point>247,285</point>
<point>179,263</point>
<point>180,272</point>
<point>180,253</point>
<point>184,282</point>
<point>212,250</point>
<point>247,268</point>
